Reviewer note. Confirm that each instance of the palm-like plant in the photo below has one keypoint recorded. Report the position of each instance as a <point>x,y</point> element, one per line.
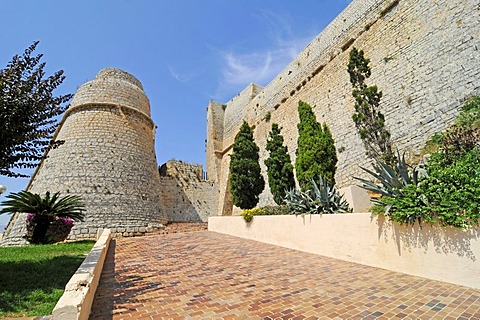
<point>45,209</point>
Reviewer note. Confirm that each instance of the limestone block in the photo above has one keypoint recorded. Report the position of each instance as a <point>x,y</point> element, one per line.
<point>357,198</point>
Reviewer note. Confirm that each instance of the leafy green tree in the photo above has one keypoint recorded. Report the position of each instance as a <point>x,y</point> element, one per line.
<point>246,182</point>
<point>368,119</point>
<point>316,154</point>
<point>28,111</point>
<point>44,210</point>
<point>279,166</point>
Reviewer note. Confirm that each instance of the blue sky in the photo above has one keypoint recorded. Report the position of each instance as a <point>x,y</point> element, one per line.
<point>184,52</point>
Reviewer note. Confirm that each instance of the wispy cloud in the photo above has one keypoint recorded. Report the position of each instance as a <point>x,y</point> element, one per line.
<point>262,65</point>
<point>180,77</point>
<point>242,69</point>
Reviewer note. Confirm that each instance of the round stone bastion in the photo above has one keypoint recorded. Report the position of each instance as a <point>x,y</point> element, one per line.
<point>108,158</point>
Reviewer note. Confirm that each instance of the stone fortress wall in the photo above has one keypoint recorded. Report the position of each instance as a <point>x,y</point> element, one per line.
<point>424,57</point>
<point>108,159</point>
<point>185,194</point>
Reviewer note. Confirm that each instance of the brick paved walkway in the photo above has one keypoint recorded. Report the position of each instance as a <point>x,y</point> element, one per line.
<point>206,275</point>
<point>180,227</point>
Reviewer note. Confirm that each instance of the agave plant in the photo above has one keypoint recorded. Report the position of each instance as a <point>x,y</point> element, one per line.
<point>299,202</point>
<point>323,198</point>
<point>43,210</point>
<point>391,179</point>
<point>332,201</point>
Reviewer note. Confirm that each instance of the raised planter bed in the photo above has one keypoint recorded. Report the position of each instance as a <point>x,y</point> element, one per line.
<point>439,253</point>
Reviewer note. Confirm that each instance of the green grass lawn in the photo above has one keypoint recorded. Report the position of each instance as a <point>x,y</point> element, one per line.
<point>33,277</point>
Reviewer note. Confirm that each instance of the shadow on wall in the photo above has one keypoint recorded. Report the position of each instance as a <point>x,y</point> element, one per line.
<point>186,195</point>
<point>447,240</point>
<point>177,204</point>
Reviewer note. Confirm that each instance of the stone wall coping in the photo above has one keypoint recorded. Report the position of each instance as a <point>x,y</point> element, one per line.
<point>105,104</point>
<point>76,301</point>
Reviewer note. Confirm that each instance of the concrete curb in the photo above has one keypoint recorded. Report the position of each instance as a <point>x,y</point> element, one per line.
<point>76,301</point>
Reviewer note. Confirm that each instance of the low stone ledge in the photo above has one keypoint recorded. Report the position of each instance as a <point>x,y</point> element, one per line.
<point>76,301</point>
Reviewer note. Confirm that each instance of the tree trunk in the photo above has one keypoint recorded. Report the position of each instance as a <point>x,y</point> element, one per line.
<point>41,227</point>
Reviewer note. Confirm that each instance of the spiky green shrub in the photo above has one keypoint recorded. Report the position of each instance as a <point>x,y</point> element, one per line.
<point>395,183</point>
<point>246,182</point>
<point>446,191</point>
<point>43,211</point>
<point>390,180</point>
<point>316,153</point>
<point>322,198</point>
<point>279,165</point>
<point>368,119</point>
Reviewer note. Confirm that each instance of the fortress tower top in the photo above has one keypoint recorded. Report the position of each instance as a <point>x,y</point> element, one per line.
<point>114,73</point>
<point>113,86</point>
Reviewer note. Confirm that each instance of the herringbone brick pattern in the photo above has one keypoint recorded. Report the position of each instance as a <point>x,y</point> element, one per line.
<point>206,275</point>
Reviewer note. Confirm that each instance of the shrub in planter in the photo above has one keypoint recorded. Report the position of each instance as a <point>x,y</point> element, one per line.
<point>448,190</point>
<point>246,181</point>
<point>279,166</point>
<point>265,211</point>
<point>47,219</point>
<point>390,179</point>
<point>57,230</point>
<point>449,195</point>
<point>249,213</point>
<point>323,198</point>
<point>276,210</point>
<point>316,153</point>
<point>37,226</point>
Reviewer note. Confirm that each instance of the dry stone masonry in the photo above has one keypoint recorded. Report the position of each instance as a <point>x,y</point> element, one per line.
<point>186,195</point>
<point>108,159</point>
<point>424,57</point>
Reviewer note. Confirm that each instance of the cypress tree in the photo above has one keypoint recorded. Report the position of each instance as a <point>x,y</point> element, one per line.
<point>369,121</point>
<point>246,182</point>
<point>279,166</point>
<point>316,154</point>
<point>328,154</point>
